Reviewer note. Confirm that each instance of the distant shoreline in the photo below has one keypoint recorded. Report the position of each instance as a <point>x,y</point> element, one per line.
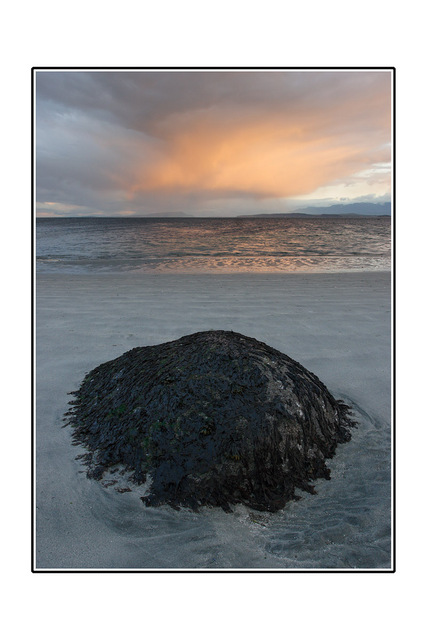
<point>353,210</point>
<point>239,217</point>
<point>316,215</point>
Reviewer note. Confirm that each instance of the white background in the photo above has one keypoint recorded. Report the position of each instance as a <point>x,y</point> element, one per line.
<point>231,34</point>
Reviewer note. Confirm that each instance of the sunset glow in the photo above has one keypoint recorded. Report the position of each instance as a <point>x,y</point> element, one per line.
<point>210,143</point>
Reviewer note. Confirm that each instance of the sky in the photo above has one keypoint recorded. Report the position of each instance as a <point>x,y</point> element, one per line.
<point>210,142</point>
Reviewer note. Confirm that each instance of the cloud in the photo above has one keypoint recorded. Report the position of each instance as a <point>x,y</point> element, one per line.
<point>142,140</point>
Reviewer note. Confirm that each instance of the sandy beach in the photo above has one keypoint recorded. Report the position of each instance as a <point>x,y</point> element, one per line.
<point>337,325</point>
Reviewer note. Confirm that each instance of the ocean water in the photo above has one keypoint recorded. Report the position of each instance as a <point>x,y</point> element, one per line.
<point>222,245</point>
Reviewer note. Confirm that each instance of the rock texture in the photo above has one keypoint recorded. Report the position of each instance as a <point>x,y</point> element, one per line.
<point>215,418</point>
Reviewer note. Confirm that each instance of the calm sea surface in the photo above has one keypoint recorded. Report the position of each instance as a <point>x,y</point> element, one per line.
<point>222,245</point>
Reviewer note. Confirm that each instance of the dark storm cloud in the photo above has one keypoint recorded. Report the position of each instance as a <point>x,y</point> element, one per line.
<point>142,100</point>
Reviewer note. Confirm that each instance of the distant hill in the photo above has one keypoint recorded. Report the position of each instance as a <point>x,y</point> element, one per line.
<point>351,210</point>
<point>356,208</point>
<point>164,214</point>
<point>276,215</point>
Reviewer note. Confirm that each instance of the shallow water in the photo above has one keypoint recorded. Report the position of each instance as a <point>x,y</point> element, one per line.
<point>222,245</point>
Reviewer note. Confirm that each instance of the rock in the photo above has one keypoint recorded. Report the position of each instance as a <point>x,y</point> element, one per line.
<point>215,418</point>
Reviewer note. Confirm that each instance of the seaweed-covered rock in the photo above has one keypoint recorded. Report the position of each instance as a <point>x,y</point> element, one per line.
<point>215,418</point>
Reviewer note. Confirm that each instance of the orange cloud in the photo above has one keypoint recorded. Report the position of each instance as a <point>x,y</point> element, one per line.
<point>266,157</point>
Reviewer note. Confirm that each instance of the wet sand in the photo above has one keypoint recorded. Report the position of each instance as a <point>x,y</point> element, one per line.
<point>336,325</point>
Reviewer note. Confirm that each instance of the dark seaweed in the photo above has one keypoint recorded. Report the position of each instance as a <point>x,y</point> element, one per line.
<point>216,418</point>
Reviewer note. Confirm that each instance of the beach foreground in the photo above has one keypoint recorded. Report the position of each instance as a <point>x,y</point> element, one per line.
<point>336,325</point>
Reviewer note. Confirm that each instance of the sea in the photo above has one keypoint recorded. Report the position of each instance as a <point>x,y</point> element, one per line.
<point>218,245</point>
